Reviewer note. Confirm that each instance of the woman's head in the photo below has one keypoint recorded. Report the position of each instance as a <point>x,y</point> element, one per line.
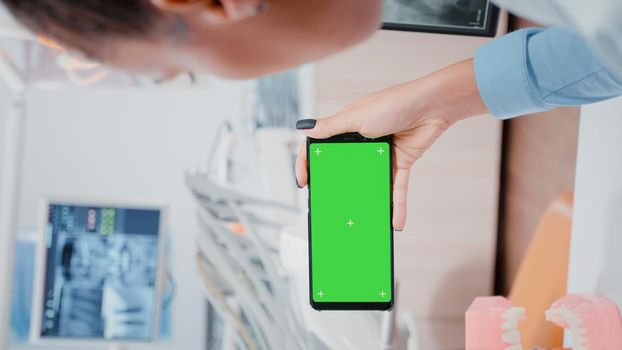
<point>236,38</point>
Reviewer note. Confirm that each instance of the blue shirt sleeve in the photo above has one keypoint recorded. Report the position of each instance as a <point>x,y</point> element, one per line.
<point>534,69</point>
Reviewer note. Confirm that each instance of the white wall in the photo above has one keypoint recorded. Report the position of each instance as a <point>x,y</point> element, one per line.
<point>4,103</point>
<point>128,144</point>
<point>14,50</point>
<point>595,259</point>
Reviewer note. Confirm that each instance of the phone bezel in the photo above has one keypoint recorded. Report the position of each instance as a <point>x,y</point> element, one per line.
<point>380,306</point>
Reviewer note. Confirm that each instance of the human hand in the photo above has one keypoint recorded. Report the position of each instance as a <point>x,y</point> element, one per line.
<point>415,113</point>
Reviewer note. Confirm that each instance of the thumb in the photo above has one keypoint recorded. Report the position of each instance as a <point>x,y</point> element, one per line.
<point>326,127</point>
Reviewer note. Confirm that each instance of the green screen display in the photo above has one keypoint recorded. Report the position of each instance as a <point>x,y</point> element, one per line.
<point>350,222</point>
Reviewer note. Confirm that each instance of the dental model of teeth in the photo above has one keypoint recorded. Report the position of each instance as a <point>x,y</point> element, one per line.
<point>593,321</point>
<point>492,324</point>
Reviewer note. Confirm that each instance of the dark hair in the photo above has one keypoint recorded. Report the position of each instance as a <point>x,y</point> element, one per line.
<point>83,24</point>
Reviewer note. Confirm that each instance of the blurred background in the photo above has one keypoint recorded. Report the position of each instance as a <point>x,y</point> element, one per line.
<point>220,155</point>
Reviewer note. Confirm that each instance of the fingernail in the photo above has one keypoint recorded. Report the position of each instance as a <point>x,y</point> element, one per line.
<point>306,124</point>
<point>297,184</point>
<point>396,230</point>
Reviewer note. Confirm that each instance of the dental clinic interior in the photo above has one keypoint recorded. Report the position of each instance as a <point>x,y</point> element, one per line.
<point>139,214</point>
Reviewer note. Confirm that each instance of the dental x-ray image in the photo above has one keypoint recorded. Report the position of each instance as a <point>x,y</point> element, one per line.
<point>463,17</point>
<point>101,273</point>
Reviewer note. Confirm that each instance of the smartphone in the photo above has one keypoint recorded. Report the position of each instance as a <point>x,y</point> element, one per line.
<point>350,229</point>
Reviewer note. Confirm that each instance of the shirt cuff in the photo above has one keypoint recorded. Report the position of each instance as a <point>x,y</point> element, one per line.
<point>502,77</point>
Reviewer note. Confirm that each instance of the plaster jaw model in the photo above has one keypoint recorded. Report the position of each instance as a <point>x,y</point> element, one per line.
<point>492,324</point>
<point>593,321</point>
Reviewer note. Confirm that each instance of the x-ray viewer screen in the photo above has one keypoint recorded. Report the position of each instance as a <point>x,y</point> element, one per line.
<point>350,217</point>
<point>100,273</point>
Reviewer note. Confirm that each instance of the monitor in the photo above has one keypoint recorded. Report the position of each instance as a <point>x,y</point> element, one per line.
<point>99,273</point>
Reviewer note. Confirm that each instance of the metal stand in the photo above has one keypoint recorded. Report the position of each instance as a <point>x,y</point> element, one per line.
<point>10,177</point>
<point>10,182</point>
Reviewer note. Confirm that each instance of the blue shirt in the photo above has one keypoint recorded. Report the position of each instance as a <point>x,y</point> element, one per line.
<point>597,21</point>
<point>533,70</point>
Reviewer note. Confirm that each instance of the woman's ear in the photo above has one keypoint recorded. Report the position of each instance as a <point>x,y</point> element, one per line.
<point>218,11</point>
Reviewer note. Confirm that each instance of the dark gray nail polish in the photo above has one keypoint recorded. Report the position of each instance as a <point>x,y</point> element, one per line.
<point>306,124</point>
